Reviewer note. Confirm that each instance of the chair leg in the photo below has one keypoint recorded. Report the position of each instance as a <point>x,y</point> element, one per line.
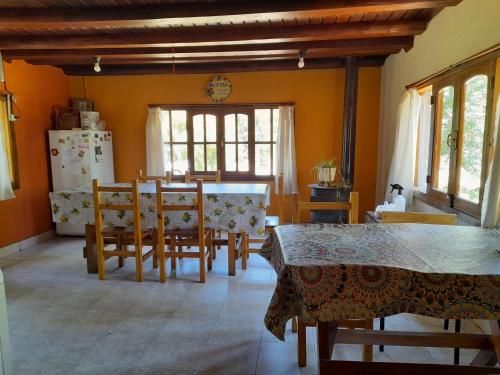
<point>456,351</point>
<point>101,262</point>
<point>368,349</point>
<point>172,250</point>
<point>218,236</point>
<point>163,266</point>
<point>202,264</point>
<point>209,246</point>
<point>139,267</point>
<point>154,241</point>
<point>294,324</point>
<point>382,327</point>
<point>446,324</point>
<point>121,262</point>
<point>155,259</point>
<point>301,344</point>
<point>244,251</point>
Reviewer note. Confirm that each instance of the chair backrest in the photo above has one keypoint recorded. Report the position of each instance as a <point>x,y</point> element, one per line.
<point>167,177</point>
<point>352,206</point>
<point>210,177</point>
<point>133,206</point>
<point>198,206</point>
<point>387,217</point>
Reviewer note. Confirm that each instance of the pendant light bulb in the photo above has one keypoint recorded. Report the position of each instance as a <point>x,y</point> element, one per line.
<point>301,63</point>
<point>97,64</point>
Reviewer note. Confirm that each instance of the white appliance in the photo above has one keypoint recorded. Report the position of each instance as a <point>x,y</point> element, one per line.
<point>5,361</point>
<point>78,156</point>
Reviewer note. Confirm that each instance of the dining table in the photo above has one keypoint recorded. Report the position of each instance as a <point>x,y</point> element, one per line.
<point>333,272</point>
<point>235,208</point>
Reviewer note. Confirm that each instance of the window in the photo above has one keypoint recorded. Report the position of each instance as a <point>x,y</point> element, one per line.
<point>9,140</point>
<point>459,138</point>
<point>240,141</point>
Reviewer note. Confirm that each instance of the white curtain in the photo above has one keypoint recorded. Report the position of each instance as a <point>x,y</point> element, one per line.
<point>154,143</point>
<point>490,212</point>
<point>6,191</point>
<point>424,135</point>
<point>403,158</point>
<point>285,151</point>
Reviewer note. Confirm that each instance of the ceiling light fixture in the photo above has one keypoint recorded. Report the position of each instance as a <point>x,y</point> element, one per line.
<point>301,63</point>
<point>97,64</point>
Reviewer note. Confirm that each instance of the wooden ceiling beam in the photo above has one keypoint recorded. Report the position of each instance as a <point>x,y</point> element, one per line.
<point>341,46</point>
<point>159,59</point>
<point>216,35</point>
<point>185,13</point>
<point>220,67</point>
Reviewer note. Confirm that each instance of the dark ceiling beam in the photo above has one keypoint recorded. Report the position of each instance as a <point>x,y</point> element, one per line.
<point>216,35</point>
<point>340,46</point>
<point>208,12</point>
<point>224,67</point>
<point>153,59</point>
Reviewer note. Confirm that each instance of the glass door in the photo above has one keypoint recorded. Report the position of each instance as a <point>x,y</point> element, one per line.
<point>203,147</point>
<point>236,137</point>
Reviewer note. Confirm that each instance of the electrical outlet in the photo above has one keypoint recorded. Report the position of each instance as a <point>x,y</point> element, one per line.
<point>12,117</point>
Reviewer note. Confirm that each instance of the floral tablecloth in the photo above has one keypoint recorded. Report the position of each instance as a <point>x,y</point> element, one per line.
<point>229,207</point>
<point>334,272</point>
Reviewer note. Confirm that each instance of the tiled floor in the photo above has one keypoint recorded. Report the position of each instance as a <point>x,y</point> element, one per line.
<point>64,321</point>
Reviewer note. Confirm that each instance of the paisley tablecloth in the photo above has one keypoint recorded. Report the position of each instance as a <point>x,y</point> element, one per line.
<point>229,207</point>
<point>333,272</point>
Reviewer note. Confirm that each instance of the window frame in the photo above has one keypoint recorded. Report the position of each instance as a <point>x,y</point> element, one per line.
<point>456,78</point>
<point>220,111</point>
<point>10,133</point>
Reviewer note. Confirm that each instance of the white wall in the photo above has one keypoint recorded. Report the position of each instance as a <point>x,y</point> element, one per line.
<point>454,34</point>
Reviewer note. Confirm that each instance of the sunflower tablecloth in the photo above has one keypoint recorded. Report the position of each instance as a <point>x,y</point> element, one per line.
<point>334,272</point>
<point>229,207</point>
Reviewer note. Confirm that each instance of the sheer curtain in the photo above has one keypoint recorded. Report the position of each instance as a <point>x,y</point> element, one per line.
<point>490,212</point>
<point>403,159</point>
<point>424,135</point>
<point>154,143</point>
<point>6,191</point>
<point>285,151</point>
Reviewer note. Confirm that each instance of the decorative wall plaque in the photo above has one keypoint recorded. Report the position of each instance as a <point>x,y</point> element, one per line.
<point>218,88</point>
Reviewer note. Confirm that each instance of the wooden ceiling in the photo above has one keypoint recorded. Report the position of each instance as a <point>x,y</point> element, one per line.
<point>162,36</point>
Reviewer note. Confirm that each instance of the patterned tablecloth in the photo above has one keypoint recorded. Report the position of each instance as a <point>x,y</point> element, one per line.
<point>229,207</point>
<point>333,272</point>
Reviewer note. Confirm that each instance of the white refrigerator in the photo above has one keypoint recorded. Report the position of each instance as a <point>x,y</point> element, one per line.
<point>76,157</point>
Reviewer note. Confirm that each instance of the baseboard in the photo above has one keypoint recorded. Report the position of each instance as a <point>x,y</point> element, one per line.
<point>28,242</point>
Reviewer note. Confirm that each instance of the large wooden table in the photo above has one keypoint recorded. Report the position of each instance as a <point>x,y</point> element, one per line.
<point>233,208</point>
<point>328,273</point>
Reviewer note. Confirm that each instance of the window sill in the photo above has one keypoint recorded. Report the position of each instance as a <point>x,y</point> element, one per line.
<point>425,203</point>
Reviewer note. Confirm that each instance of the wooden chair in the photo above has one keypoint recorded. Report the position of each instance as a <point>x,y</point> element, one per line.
<point>167,177</point>
<point>209,177</point>
<point>198,236</point>
<point>121,236</point>
<point>352,206</point>
<point>213,177</point>
<point>389,217</point>
<point>271,222</point>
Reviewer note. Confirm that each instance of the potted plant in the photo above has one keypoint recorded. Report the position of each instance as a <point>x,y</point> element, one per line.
<point>325,171</point>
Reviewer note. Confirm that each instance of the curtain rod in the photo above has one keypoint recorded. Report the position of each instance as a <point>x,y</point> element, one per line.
<point>219,105</point>
<point>477,56</point>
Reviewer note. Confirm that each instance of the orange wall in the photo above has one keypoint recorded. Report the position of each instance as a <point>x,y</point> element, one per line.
<point>37,89</point>
<point>318,96</point>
